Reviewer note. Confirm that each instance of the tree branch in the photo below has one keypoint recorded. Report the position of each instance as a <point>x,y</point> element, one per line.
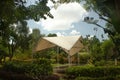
<point>101,17</point>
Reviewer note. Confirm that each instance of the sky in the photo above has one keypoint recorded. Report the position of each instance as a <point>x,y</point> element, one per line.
<point>68,21</point>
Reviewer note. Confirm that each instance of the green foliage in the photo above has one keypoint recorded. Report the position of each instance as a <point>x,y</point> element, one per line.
<point>107,10</point>
<point>101,78</point>
<point>23,36</point>
<point>52,55</point>
<point>12,11</point>
<point>94,45</point>
<point>18,55</point>
<point>93,72</point>
<point>45,54</point>
<point>107,49</point>
<point>13,22</point>
<point>39,68</point>
<point>99,51</point>
<point>35,34</point>
<point>105,63</point>
<point>95,50</point>
<point>84,58</point>
<point>62,58</point>
<point>52,35</point>
<point>14,66</point>
<point>100,63</point>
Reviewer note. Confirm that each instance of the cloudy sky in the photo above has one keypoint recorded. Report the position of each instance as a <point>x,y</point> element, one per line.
<point>68,20</point>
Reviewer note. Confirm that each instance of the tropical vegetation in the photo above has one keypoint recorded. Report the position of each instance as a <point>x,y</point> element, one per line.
<point>99,60</point>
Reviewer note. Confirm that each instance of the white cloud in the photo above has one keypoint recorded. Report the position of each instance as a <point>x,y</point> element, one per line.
<point>50,4</point>
<point>74,32</point>
<point>91,36</point>
<point>64,16</point>
<point>61,34</point>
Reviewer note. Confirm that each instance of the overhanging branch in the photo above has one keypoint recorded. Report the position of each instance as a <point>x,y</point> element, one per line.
<point>101,17</point>
<point>105,19</point>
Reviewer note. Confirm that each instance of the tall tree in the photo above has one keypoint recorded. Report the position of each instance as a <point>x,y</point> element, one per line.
<point>35,36</point>
<point>15,12</point>
<point>23,35</point>
<point>107,10</point>
<point>95,49</point>
<point>107,48</point>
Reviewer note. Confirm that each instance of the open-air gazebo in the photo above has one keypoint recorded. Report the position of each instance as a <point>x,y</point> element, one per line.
<point>70,44</point>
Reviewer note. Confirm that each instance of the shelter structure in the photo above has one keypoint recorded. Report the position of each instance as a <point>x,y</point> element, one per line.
<point>70,44</point>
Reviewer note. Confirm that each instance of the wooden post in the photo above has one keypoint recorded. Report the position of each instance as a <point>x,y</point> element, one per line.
<point>58,56</point>
<point>78,58</point>
<point>69,60</point>
<point>115,61</point>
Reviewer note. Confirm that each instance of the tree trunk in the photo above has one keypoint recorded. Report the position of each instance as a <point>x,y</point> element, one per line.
<point>12,51</point>
<point>117,6</point>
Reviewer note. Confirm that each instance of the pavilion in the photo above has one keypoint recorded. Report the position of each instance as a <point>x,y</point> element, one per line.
<point>70,44</point>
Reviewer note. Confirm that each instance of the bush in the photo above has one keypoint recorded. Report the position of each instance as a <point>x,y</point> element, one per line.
<point>104,63</point>
<point>93,72</point>
<point>101,78</point>
<point>15,66</point>
<point>84,58</point>
<point>35,69</point>
<point>100,63</point>
<point>42,67</point>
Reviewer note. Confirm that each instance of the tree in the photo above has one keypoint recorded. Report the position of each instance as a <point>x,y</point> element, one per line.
<point>23,35</point>
<point>92,46</point>
<point>95,49</point>
<point>51,35</point>
<point>35,36</point>
<point>107,48</point>
<point>86,43</point>
<point>17,12</point>
<point>107,10</point>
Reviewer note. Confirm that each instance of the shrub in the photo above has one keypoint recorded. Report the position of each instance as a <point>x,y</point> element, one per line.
<point>15,66</point>
<point>36,69</point>
<point>93,72</point>
<point>84,58</point>
<point>101,78</point>
<point>104,63</point>
<point>100,63</point>
<point>42,67</point>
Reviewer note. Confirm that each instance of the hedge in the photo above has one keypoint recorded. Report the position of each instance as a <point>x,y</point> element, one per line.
<point>100,78</point>
<point>36,69</point>
<point>92,71</point>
